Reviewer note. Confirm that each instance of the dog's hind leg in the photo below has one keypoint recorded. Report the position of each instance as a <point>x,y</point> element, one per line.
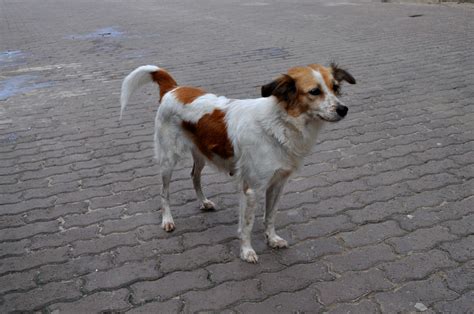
<point>167,221</point>
<point>248,204</point>
<point>273,194</point>
<point>198,165</point>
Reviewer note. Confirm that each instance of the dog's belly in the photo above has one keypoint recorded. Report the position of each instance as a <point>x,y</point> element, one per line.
<point>226,165</point>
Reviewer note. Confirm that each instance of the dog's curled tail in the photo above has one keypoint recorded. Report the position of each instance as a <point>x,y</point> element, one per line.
<point>142,76</point>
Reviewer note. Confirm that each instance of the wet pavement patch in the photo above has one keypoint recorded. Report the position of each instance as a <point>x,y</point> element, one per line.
<point>10,57</point>
<point>9,139</point>
<point>18,85</point>
<point>106,32</point>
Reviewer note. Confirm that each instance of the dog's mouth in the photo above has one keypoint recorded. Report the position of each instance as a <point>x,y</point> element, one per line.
<point>335,119</point>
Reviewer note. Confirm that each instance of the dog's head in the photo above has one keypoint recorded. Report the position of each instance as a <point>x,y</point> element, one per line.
<point>312,90</point>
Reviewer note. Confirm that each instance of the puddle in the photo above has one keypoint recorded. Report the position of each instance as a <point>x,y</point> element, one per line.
<point>10,139</point>
<point>18,85</point>
<point>106,32</point>
<point>336,4</point>
<point>255,4</point>
<point>272,52</point>
<point>10,57</point>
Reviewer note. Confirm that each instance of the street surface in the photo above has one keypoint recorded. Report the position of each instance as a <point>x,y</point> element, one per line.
<point>379,219</point>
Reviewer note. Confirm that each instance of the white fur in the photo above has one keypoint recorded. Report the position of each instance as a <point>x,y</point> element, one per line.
<point>139,77</point>
<point>269,145</point>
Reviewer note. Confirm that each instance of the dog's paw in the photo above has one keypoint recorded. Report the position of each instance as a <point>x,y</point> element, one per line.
<point>207,205</point>
<point>168,226</point>
<point>249,256</point>
<point>277,243</point>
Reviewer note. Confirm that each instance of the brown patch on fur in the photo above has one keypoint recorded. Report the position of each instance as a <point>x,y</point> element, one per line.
<point>187,95</point>
<point>210,135</point>
<point>326,73</point>
<point>288,94</point>
<point>164,80</point>
<point>305,80</point>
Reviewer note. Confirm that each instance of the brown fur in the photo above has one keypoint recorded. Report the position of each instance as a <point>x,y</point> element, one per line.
<point>187,95</point>
<point>210,135</point>
<point>164,80</point>
<point>326,73</point>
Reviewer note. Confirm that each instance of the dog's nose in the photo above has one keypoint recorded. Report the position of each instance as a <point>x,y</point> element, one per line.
<point>342,110</point>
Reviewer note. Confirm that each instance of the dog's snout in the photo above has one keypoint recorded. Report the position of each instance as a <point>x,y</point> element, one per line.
<point>342,110</point>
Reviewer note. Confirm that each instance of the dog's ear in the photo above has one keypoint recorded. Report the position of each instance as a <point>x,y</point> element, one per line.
<point>283,88</point>
<point>341,74</point>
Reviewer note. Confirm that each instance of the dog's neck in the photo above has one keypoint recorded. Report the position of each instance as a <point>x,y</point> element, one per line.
<point>296,135</point>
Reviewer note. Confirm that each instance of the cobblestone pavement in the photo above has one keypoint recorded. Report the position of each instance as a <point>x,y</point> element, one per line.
<point>380,219</point>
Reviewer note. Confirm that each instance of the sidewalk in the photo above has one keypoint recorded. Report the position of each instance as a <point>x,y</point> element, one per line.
<point>380,218</point>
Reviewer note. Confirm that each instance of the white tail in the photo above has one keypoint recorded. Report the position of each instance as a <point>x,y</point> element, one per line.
<point>136,79</point>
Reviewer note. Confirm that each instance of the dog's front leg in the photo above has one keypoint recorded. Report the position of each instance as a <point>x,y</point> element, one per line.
<point>272,196</point>
<point>248,204</point>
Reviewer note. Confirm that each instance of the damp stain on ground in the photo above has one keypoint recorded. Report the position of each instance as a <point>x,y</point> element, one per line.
<point>106,32</point>
<point>18,85</point>
<point>10,57</point>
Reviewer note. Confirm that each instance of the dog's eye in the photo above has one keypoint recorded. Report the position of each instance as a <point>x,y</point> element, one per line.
<point>315,91</point>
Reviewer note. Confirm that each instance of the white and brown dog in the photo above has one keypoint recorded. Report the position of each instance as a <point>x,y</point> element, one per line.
<point>260,141</point>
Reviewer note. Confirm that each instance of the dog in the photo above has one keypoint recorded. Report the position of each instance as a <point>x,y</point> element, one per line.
<point>260,142</point>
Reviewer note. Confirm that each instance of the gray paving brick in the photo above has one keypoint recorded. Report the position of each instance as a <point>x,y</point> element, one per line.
<point>221,295</point>
<point>421,239</point>
<point>351,286</point>
<point>361,258</point>
<point>54,212</point>
<point>183,225</point>
<point>429,216</point>
<point>364,306</point>
<point>404,299</point>
<point>103,244</point>
<point>294,278</point>
<point>92,217</point>
<point>29,230</point>
<point>64,237</point>
<point>120,276</point>
<point>14,247</point>
<point>34,259</point>
<point>461,278</point>
<point>169,286</point>
<point>301,301</point>
<point>17,282</point>
<point>462,227</point>
<point>321,227</point>
<point>309,250</point>
<point>171,306</point>
<point>197,257</point>
<point>461,305</point>
<point>113,301</point>
<point>151,248</point>
<point>235,270</point>
<point>417,265</point>
<point>371,233</point>
<point>37,298</point>
<point>461,250</point>
<point>72,268</point>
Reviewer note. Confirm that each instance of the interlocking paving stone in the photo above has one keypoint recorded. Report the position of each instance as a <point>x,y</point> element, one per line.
<point>379,218</point>
<point>404,299</point>
<point>351,286</point>
<point>417,265</point>
<point>113,301</point>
